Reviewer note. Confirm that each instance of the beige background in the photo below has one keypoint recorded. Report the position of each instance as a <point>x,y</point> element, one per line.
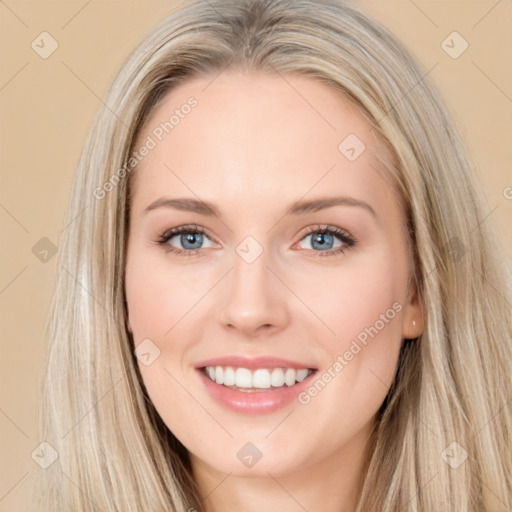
<point>48,104</point>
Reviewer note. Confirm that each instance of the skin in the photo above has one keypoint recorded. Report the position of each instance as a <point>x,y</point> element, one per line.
<point>252,146</point>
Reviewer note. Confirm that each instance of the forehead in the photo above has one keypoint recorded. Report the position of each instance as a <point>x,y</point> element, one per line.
<point>276,137</point>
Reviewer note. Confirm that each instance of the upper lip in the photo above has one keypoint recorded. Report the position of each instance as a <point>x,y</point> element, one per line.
<point>253,362</point>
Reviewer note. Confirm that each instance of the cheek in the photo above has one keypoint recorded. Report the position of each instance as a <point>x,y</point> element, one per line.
<point>155,305</point>
<point>158,305</point>
<point>158,295</point>
<point>149,298</point>
<point>350,298</point>
<point>360,308</point>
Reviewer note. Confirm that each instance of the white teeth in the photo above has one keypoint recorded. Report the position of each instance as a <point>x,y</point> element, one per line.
<point>243,378</point>
<point>229,376</point>
<point>301,374</point>
<point>277,378</point>
<point>289,377</point>
<point>262,378</point>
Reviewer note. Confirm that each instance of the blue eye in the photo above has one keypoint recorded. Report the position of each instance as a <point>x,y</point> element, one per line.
<point>324,240</point>
<point>194,239</point>
<point>191,239</point>
<point>328,241</point>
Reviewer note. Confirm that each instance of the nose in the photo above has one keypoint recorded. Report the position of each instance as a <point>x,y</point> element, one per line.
<point>254,301</point>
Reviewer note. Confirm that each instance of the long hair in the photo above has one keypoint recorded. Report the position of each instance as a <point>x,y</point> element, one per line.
<point>450,398</point>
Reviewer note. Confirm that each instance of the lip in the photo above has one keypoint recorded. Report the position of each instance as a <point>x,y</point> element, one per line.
<point>253,363</point>
<point>260,402</point>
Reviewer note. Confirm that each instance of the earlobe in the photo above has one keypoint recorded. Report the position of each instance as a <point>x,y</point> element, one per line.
<point>414,330</point>
<point>412,320</point>
<point>412,324</point>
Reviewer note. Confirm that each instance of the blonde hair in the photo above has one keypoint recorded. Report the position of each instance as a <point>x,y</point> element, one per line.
<point>453,383</point>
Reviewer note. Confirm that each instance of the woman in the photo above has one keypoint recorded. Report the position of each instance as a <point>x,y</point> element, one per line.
<point>277,291</point>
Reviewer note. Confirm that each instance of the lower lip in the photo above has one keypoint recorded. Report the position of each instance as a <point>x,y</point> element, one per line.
<point>258,402</point>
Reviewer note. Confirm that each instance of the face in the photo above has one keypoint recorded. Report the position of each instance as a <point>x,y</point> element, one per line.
<point>265,238</point>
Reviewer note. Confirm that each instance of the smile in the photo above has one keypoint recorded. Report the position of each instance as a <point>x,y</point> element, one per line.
<point>257,380</point>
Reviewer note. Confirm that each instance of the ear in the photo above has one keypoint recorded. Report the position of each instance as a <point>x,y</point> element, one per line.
<point>412,319</point>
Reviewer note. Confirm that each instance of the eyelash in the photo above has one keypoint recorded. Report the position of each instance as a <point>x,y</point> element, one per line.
<point>342,235</point>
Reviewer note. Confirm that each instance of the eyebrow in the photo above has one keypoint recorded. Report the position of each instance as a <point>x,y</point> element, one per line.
<point>298,208</point>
